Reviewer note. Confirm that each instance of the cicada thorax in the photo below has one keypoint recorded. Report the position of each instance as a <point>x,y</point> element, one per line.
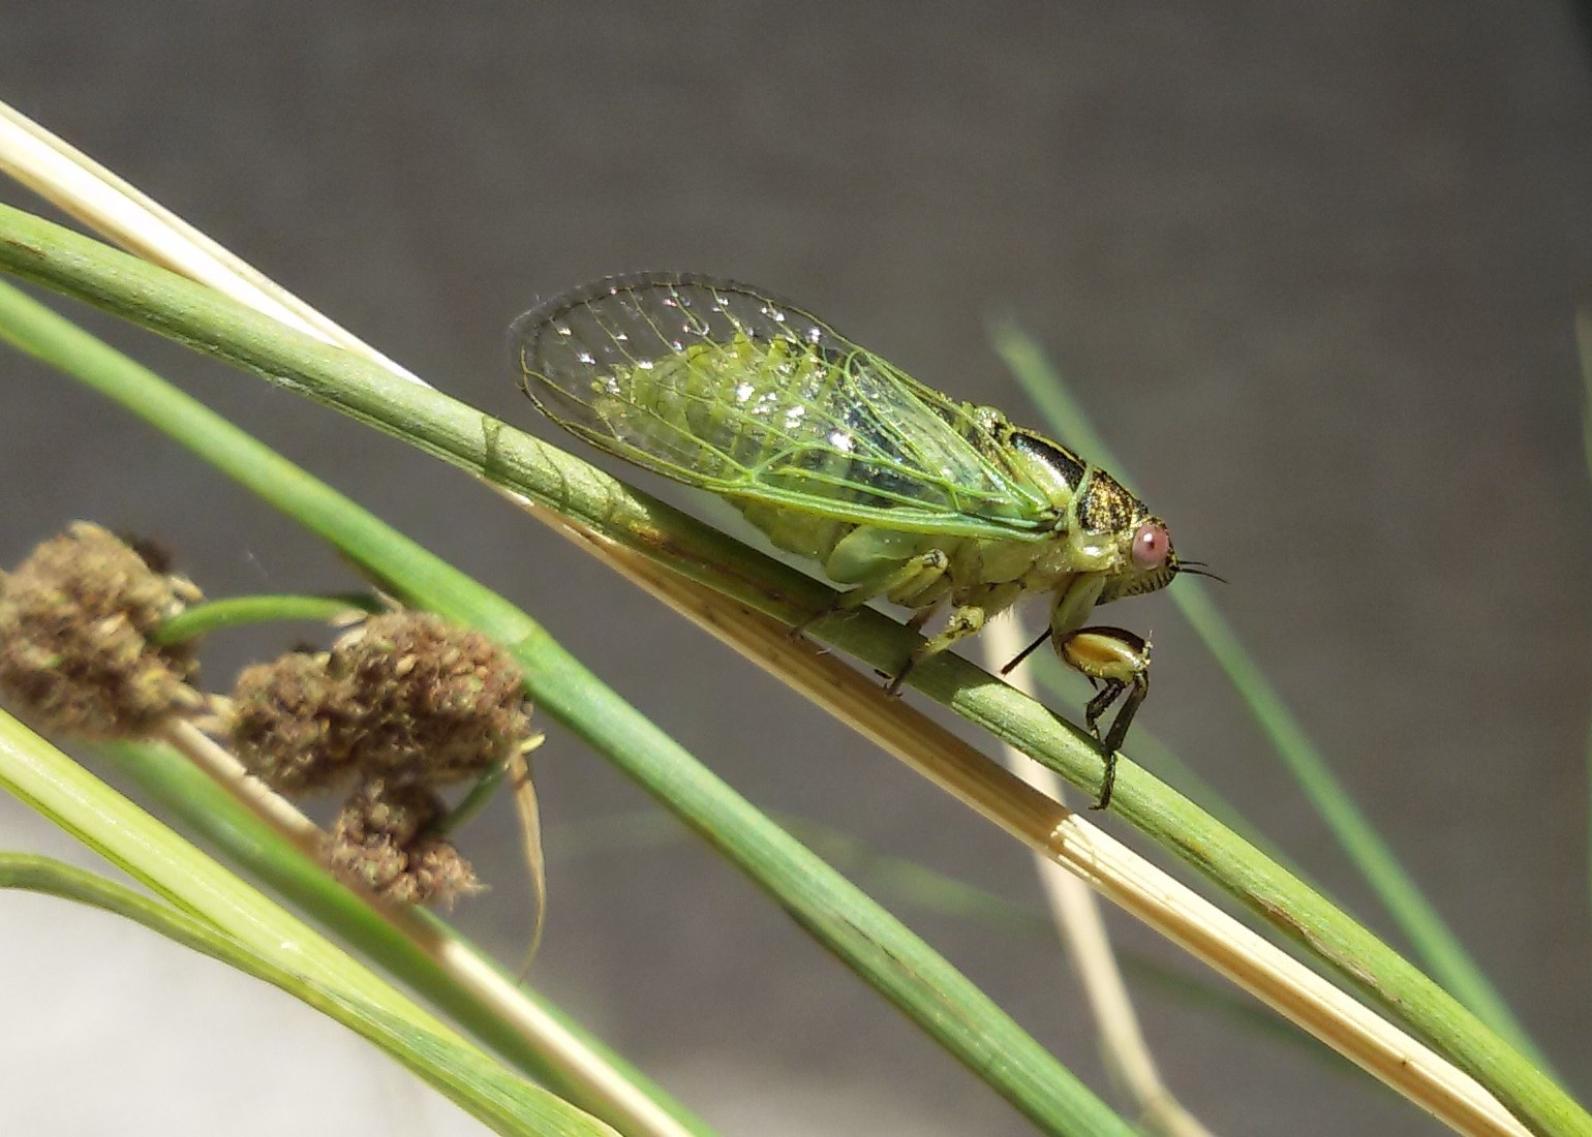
<point>1095,514</point>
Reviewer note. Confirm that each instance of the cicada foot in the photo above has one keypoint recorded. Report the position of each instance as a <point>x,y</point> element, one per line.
<point>965,621</point>
<point>1118,661</point>
<point>892,686</point>
<point>893,683</point>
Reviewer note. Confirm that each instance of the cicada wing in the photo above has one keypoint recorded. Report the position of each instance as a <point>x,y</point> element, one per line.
<point>717,385</point>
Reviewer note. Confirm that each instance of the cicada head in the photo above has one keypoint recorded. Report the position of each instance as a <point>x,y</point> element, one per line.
<point>1148,563</point>
<point>1145,559</point>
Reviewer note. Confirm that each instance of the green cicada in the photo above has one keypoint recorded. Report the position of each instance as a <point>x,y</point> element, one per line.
<point>895,489</point>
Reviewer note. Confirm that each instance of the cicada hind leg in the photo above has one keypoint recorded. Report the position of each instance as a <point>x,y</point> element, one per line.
<point>917,578</point>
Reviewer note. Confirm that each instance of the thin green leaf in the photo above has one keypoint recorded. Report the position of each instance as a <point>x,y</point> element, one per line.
<point>210,906</point>
<point>240,611</point>
<point>906,883</point>
<point>503,1101</point>
<point>210,811</point>
<point>919,886</point>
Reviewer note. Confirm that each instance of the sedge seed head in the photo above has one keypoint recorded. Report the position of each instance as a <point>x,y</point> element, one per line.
<point>75,624</point>
<point>435,702</point>
<point>379,842</point>
<point>291,724</point>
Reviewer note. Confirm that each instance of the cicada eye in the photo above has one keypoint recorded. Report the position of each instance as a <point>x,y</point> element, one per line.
<point>1152,544</point>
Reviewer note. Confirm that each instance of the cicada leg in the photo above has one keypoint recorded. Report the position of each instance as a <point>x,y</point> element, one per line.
<point>965,621</point>
<point>1119,661</point>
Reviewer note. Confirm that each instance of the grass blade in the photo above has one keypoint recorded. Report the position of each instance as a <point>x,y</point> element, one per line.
<point>211,910</point>
<point>411,944</point>
<point>1079,920</point>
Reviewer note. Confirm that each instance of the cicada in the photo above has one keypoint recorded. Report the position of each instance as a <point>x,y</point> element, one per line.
<point>898,491</point>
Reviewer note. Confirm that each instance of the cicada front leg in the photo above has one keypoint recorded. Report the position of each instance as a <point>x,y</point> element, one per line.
<point>1118,662</point>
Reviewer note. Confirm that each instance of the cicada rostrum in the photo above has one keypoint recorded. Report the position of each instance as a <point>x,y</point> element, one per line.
<point>898,491</point>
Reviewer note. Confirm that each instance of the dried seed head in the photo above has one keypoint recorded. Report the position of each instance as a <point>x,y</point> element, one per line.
<point>379,842</point>
<point>75,652</point>
<point>435,703</point>
<point>291,723</point>
<point>406,696</point>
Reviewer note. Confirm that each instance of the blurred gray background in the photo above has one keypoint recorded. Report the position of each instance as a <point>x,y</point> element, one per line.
<point>1311,267</point>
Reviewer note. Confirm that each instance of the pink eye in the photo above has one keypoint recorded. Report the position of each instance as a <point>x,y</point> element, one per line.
<point>1152,544</point>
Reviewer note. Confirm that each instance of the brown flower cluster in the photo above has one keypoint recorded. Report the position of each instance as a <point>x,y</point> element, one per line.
<point>402,703</point>
<point>406,696</point>
<point>382,841</point>
<point>76,654</point>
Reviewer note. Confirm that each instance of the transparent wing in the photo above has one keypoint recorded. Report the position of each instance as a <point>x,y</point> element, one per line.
<point>717,385</point>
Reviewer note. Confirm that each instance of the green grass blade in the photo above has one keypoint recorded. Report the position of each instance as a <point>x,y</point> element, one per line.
<point>240,611</point>
<point>1431,937</point>
<point>907,884</point>
<point>927,889</point>
<point>872,942</point>
<point>1157,755</point>
<point>210,811</point>
<point>209,909</point>
<point>78,266</point>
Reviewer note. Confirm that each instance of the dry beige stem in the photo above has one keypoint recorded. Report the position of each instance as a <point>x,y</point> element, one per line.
<point>1082,927</point>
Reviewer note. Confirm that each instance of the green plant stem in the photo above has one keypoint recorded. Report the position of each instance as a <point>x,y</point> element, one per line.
<point>239,611</point>
<point>873,943</point>
<point>485,788</point>
<point>1157,755</point>
<point>214,909</point>
<point>158,300</point>
<point>503,1101</point>
<point>1431,937</point>
<point>924,888</point>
